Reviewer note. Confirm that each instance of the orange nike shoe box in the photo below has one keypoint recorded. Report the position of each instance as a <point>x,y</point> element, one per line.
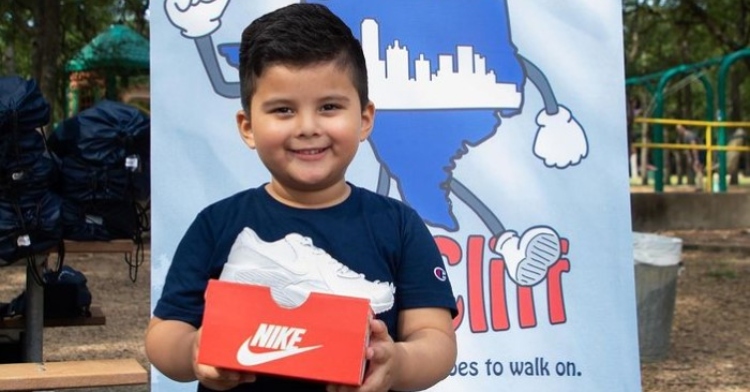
<point>324,339</point>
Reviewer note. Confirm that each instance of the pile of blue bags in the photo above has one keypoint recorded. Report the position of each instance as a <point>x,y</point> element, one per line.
<point>86,181</point>
<point>29,210</point>
<point>104,156</point>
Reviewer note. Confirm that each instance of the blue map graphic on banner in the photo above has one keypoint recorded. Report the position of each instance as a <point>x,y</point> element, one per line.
<point>419,147</point>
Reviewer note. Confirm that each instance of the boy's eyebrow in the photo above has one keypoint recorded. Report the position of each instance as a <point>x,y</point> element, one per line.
<point>275,102</point>
<point>336,97</point>
<point>272,102</point>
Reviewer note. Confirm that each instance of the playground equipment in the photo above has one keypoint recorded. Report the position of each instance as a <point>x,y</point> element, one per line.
<point>656,83</point>
<point>118,51</point>
<point>709,147</point>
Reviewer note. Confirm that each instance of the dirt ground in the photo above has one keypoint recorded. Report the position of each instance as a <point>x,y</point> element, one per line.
<point>710,340</point>
<point>125,304</point>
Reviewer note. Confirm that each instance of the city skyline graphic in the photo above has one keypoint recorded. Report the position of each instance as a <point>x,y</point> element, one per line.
<point>459,82</point>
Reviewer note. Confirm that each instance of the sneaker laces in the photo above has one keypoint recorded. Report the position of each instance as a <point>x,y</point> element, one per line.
<point>340,268</point>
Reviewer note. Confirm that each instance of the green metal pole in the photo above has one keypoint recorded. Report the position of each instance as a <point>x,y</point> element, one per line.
<point>658,134</point>
<point>709,114</point>
<point>709,97</point>
<point>659,113</point>
<point>722,137</point>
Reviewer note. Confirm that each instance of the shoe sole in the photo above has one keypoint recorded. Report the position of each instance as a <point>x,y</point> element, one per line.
<point>286,295</point>
<point>543,251</point>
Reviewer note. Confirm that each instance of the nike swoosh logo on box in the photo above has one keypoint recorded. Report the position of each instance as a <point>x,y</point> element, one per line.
<point>248,358</point>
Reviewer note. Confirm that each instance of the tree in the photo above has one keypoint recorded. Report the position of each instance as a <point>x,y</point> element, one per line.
<point>38,37</point>
<point>661,34</point>
<point>47,48</point>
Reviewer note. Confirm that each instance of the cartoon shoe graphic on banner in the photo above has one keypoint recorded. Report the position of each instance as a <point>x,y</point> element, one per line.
<point>439,91</point>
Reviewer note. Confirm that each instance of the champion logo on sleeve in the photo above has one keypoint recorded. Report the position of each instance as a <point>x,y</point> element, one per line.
<point>440,274</point>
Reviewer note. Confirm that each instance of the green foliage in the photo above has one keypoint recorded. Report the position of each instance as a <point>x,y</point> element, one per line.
<point>16,25</point>
<point>663,34</point>
<point>22,24</point>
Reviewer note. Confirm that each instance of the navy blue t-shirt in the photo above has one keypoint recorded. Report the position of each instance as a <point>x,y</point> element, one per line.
<point>374,235</point>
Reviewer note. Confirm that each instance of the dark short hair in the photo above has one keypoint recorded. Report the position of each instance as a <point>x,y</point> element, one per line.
<point>299,35</point>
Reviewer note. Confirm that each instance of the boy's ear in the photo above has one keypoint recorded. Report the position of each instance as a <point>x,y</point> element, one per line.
<point>368,121</point>
<point>244,125</point>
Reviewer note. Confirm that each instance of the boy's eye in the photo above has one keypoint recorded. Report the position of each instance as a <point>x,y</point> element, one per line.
<point>281,110</point>
<point>330,106</point>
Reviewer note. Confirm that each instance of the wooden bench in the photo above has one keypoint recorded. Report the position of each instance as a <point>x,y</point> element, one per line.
<point>97,318</point>
<point>71,374</point>
<point>113,246</point>
<point>36,375</point>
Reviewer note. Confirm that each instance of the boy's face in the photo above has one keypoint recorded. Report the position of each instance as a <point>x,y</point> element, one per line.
<point>306,124</point>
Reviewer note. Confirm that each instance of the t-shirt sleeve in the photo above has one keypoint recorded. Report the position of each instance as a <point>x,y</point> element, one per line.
<point>187,278</point>
<point>422,279</point>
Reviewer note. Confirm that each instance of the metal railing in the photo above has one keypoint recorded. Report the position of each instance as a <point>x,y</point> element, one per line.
<point>710,147</point>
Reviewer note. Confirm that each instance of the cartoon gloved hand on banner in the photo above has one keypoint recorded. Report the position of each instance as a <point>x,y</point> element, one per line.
<point>196,18</point>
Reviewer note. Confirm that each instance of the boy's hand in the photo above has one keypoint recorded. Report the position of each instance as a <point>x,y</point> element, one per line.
<point>383,362</point>
<point>217,378</point>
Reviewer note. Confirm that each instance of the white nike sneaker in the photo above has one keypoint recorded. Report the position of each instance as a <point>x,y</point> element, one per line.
<point>293,268</point>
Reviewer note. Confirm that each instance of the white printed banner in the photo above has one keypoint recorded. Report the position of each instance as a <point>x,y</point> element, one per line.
<point>518,168</point>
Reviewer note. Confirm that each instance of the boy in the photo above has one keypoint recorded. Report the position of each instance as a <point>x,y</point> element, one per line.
<point>305,109</point>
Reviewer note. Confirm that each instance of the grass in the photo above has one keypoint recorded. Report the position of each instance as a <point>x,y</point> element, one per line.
<point>722,274</point>
<point>744,183</point>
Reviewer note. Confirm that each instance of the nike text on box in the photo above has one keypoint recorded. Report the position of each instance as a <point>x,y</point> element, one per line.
<point>324,339</point>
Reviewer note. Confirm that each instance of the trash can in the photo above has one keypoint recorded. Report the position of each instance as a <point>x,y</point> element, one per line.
<point>657,263</point>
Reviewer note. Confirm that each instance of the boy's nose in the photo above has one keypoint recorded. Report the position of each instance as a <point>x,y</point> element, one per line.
<point>308,125</point>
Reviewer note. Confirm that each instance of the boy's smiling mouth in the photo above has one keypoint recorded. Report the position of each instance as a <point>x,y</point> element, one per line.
<point>310,151</point>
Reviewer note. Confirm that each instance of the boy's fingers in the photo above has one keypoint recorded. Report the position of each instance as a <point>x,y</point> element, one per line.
<point>247,377</point>
<point>205,371</point>
<point>378,330</point>
<point>233,375</point>
<point>378,334</point>
<point>228,375</point>
<point>380,340</point>
<point>218,374</point>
